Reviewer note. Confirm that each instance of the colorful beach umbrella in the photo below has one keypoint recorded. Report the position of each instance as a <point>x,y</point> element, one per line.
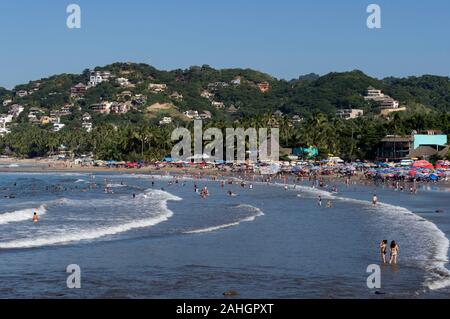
<point>423,164</point>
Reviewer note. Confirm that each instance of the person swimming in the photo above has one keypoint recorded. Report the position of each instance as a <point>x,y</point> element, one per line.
<point>230,193</point>
<point>35,218</point>
<point>383,250</point>
<point>374,200</point>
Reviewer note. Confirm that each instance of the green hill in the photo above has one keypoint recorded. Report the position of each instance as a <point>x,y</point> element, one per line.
<point>304,96</point>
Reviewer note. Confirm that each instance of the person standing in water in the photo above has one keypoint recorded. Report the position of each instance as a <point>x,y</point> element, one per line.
<point>394,253</point>
<point>383,250</point>
<point>320,201</point>
<point>374,200</point>
<point>35,218</point>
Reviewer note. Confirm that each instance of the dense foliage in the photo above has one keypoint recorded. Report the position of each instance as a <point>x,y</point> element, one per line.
<point>136,134</point>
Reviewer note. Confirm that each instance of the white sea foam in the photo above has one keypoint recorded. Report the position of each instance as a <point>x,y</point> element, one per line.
<point>438,276</point>
<point>160,214</point>
<point>21,215</point>
<point>116,185</point>
<point>257,213</point>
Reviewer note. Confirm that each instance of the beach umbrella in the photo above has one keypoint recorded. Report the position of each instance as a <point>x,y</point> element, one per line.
<point>296,169</point>
<point>423,164</point>
<point>433,177</point>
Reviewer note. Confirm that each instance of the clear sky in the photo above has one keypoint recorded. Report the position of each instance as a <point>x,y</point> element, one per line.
<point>285,38</point>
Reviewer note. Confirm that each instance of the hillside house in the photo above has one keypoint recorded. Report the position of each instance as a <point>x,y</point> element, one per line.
<point>101,108</point>
<point>157,88</point>
<point>177,96</point>
<point>264,87</point>
<point>207,95</point>
<point>191,114</point>
<point>166,120</point>
<point>348,114</point>
<point>78,90</point>
<point>218,105</point>
<point>21,93</point>
<point>123,82</point>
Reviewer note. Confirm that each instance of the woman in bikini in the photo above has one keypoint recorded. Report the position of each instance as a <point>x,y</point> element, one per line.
<point>383,250</point>
<point>394,253</point>
<point>35,218</point>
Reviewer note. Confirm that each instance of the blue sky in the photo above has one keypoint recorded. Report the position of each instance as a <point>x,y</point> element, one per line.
<point>285,38</point>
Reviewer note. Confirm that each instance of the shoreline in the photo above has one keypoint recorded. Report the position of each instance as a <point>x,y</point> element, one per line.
<point>52,166</point>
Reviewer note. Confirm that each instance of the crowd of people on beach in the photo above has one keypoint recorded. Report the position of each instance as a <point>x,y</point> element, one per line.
<point>247,180</point>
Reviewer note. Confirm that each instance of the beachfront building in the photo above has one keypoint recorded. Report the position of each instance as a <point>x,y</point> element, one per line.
<point>305,152</point>
<point>424,145</point>
<point>394,148</point>
<point>429,143</point>
<point>430,138</point>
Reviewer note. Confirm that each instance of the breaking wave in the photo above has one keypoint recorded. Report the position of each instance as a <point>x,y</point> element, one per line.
<point>256,213</point>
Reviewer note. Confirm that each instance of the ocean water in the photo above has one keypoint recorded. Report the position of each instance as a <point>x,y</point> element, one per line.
<point>168,242</point>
